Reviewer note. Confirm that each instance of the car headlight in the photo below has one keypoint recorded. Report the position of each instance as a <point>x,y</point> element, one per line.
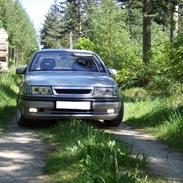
<point>26,89</point>
<point>43,90</point>
<point>106,91</point>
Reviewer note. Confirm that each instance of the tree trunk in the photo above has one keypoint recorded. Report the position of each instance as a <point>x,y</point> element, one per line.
<point>80,17</point>
<point>174,22</point>
<point>71,39</point>
<point>146,31</point>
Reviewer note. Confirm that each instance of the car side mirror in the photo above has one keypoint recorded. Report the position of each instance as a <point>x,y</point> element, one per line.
<point>112,72</point>
<point>21,70</point>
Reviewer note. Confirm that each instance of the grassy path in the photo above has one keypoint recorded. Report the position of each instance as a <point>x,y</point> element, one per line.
<point>84,153</point>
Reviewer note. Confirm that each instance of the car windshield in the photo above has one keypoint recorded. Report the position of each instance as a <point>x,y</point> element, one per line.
<point>66,61</point>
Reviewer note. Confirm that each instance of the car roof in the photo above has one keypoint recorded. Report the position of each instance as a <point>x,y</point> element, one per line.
<point>67,50</point>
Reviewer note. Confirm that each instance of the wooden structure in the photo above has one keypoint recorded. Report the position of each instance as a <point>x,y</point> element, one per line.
<point>3,50</point>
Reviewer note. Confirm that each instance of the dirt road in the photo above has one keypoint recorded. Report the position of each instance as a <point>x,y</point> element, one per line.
<point>22,156</point>
<point>162,161</point>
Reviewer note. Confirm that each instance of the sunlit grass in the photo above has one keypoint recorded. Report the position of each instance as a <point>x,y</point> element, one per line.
<point>8,90</point>
<point>171,131</point>
<point>84,153</point>
<point>162,117</point>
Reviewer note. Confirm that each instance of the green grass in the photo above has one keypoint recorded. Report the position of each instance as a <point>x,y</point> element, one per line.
<point>83,153</point>
<point>8,92</point>
<point>162,117</point>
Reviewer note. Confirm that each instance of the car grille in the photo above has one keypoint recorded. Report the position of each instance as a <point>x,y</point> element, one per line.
<point>73,91</point>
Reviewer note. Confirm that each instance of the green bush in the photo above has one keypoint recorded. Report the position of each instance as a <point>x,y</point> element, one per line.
<point>84,44</point>
<point>176,59</point>
<point>135,74</point>
<point>167,65</point>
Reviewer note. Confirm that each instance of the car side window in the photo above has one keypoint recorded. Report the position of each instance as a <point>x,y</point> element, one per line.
<point>100,65</point>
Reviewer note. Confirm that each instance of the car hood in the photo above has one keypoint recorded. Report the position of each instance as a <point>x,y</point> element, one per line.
<point>70,78</point>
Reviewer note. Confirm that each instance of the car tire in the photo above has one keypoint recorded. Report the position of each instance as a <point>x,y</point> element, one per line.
<point>21,120</point>
<point>117,121</point>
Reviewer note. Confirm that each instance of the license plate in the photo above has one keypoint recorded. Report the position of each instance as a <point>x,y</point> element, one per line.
<point>73,105</point>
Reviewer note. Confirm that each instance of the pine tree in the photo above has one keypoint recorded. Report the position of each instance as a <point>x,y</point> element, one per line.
<point>52,34</point>
<point>65,23</point>
<point>73,20</point>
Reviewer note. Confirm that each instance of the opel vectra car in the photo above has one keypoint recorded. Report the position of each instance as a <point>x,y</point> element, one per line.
<point>61,83</point>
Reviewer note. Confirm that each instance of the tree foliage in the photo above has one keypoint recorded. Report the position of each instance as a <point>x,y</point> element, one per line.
<point>109,34</point>
<point>65,22</point>
<point>52,32</point>
<point>84,44</point>
<point>22,35</point>
<point>114,29</point>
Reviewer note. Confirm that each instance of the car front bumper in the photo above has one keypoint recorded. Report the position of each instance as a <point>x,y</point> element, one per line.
<point>46,108</point>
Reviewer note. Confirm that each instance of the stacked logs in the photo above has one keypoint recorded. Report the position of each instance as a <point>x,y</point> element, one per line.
<point>3,50</point>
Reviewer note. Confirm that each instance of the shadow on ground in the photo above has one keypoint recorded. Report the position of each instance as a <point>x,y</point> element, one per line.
<point>46,124</point>
<point>22,155</point>
<point>6,113</point>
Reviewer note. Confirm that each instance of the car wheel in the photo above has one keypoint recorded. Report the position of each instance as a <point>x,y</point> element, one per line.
<point>117,121</point>
<point>21,120</point>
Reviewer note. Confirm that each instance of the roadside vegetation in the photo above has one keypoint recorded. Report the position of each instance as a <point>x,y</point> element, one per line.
<point>160,116</point>
<point>21,32</point>
<point>84,153</point>
<point>22,42</point>
<point>8,90</point>
<point>118,33</point>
